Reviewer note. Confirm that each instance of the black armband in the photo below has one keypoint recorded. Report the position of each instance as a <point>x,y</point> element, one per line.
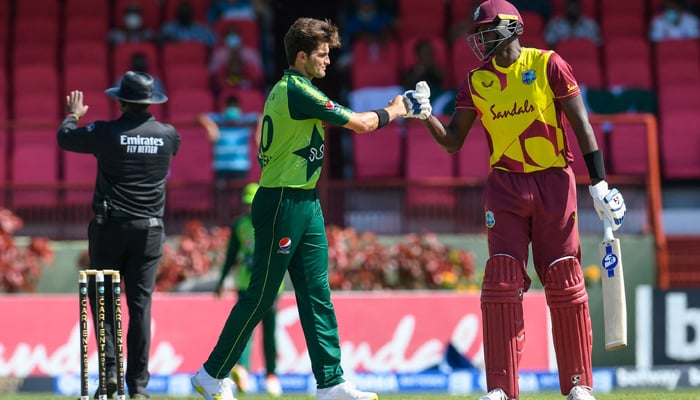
<point>595,165</point>
<point>383,116</point>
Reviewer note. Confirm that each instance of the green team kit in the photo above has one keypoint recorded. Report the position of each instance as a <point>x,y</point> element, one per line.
<point>291,146</point>
<point>289,229</point>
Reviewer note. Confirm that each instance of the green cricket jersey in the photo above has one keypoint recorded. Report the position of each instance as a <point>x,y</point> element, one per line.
<point>291,147</point>
<point>241,241</point>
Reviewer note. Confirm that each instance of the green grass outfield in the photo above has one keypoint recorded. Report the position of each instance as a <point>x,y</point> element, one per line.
<point>632,395</point>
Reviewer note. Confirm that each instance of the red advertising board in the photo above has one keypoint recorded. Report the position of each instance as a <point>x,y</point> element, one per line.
<point>379,332</point>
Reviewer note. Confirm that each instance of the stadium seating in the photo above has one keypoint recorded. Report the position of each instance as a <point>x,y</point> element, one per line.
<point>84,29</point>
<point>3,97</point>
<point>670,72</point>
<point>460,11</point>
<point>4,152</point>
<point>628,73</point>
<point>628,152</point>
<point>679,96</point>
<point>687,50</point>
<point>85,77</point>
<point>628,24</point>
<point>185,105</point>
<point>534,23</point>
<point>39,29</point>
<point>36,8</point>
<point>35,78</point>
<point>35,93</point>
<point>94,52</point>
<point>628,62</point>
<point>373,65</point>
<point>3,180</point>
<point>184,52</point>
<point>34,164</point>
<point>186,76</point>
<point>584,57</point>
<point>680,141</point>
<point>102,107</point>
<point>4,29</point>
<point>192,165</point>
<point>473,158</point>
<point>412,19</point>
<point>378,154</point>
<point>34,54</point>
<point>79,172</point>
<point>425,159</point>
<point>96,10</point>
<point>34,109</point>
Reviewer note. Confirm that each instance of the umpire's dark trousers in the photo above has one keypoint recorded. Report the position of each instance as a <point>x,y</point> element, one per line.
<point>134,247</point>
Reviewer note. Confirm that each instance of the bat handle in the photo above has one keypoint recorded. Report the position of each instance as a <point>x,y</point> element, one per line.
<point>607,230</point>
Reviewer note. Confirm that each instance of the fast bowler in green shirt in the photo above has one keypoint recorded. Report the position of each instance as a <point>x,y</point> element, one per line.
<point>289,226</point>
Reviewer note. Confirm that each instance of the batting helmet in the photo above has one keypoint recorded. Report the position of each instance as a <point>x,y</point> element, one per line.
<point>505,21</point>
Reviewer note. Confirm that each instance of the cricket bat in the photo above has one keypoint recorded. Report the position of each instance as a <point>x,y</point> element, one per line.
<point>613,281</point>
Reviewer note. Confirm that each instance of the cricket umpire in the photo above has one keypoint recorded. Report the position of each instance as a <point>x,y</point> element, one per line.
<point>133,158</point>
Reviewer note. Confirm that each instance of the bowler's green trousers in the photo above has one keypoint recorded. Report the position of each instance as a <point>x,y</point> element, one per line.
<point>290,236</point>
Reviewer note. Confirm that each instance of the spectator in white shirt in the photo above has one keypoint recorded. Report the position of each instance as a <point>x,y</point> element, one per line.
<point>674,22</point>
<point>571,25</point>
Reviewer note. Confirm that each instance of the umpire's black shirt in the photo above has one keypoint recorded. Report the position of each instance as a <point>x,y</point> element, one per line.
<point>133,158</point>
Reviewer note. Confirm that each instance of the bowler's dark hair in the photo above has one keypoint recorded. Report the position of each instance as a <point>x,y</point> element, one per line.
<point>307,34</point>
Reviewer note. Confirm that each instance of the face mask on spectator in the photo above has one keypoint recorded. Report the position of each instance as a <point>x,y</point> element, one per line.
<point>672,16</point>
<point>232,113</point>
<point>233,41</point>
<point>133,20</point>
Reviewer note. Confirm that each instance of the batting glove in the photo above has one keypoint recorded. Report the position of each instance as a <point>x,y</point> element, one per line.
<point>608,203</point>
<point>417,101</point>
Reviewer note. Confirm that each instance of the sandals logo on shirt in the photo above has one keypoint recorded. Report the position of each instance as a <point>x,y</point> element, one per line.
<point>285,244</point>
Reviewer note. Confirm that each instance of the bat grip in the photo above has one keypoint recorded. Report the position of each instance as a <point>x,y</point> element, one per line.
<point>607,230</point>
